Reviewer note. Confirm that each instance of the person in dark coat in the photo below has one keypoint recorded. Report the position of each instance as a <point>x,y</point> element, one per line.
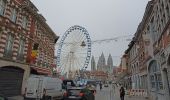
<point>122,93</point>
<point>100,86</point>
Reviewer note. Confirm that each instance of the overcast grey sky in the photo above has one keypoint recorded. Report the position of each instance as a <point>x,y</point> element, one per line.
<point>102,18</point>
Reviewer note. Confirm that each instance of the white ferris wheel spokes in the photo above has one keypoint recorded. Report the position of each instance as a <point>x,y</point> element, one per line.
<point>74,50</point>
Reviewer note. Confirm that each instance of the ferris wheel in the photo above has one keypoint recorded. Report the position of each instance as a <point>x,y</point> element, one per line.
<point>74,50</point>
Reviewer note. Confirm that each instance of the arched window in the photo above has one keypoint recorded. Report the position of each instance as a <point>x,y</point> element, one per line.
<point>155,76</point>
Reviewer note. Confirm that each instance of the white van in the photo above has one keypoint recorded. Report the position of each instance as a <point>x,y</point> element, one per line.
<point>43,87</point>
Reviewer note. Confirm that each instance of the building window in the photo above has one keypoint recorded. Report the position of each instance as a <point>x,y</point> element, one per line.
<point>42,57</point>
<point>162,5</point>
<point>2,7</point>
<point>39,57</point>
<point>24,22</point>
<point>13,15</point>
<point>9,45</point>
<point>167,10</point>
<point>21,49</point>
<point>1,30</point>
<point>159,81</point>
<point>152,81</point>
<point>155,76</point>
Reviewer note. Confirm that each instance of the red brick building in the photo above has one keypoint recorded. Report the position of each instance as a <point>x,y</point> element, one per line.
<point>99,75</point>
<point>26,45</point>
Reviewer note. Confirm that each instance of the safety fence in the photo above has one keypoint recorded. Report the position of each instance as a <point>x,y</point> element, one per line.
<point>137,92</point>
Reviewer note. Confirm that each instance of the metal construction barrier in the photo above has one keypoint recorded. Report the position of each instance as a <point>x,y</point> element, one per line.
<point>145,94</point>
<point>138,92</point>
<point>132,92</point>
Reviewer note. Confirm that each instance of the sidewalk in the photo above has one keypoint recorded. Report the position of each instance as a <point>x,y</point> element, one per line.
<point>135,98</point>
<point>16,98</point>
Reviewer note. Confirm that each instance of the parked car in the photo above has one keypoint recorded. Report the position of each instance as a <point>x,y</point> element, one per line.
<point>105,85</point>
<point>91,82</point>
<point>68,83</point>
<point>3,98</point>
<point>92,89</point>
<point>78,93</point>
<point>44,88</point>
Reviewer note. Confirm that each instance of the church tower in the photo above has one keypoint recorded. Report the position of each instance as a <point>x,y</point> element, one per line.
<point>93,64</point>
<point>103,62</point>
<point>109,63</point>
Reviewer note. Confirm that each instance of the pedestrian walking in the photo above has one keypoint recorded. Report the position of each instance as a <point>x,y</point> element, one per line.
<point>113,86</point>
<point>100,86</point>
<point>122,93</point>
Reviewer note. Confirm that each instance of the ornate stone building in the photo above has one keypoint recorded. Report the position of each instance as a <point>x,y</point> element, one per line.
<point>152,51</point>
<point>26,45</point>
<point>155,29</point>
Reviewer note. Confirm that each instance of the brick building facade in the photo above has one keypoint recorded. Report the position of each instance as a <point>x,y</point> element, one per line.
<point>23,33</point>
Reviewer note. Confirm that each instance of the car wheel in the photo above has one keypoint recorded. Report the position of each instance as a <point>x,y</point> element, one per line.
<point>84,98</point>
<point>50,98</point>
<point>93,98</point>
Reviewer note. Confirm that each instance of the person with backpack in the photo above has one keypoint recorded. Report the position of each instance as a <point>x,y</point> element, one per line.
<point>122,93</point>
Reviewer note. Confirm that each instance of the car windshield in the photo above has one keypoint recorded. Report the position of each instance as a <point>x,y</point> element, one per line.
<point>91,83</point>
<point>69,82</point>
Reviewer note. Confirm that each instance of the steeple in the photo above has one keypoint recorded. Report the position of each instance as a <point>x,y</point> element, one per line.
<point>110,63</point>
<point>93,64</point>
<point>103,62</point>
<point>99,64</point>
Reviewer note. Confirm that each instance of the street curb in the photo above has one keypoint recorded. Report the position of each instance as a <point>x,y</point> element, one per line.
<point>137,97</point>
